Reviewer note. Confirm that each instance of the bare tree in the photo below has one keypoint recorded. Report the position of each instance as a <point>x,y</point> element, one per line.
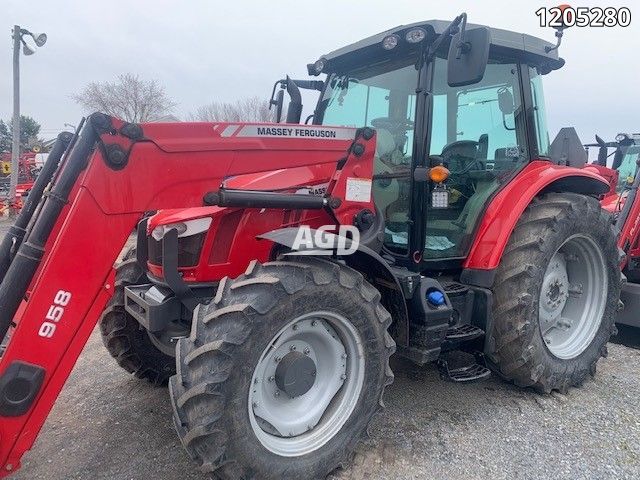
<point>252,109</point>
<point>130,98</point>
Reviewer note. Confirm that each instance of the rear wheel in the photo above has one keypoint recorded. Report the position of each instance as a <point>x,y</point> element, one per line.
<point>126,340</point>
<point>556,293</point>
<point>283,371</point>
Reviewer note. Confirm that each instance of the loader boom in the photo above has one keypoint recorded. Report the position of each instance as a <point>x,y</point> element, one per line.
<point>113,174</point>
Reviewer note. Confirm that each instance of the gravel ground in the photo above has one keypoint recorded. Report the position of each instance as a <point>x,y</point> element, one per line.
<point>108,425</point>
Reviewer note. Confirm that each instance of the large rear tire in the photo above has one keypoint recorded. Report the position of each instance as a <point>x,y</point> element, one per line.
<point>283,371</point>
<point>125,339</point>
<point>556,294</point>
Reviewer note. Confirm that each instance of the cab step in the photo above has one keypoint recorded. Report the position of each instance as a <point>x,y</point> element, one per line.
<point>463,333</point>
<point>469,373</point>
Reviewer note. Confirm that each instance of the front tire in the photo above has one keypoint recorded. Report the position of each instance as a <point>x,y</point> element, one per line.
<point>556,294</point>
<point>236,417</point>
<point>124,338</point>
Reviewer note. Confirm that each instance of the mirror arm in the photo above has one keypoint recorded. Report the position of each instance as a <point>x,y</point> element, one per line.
<point>463,47</point>
<point>559,34</point>
<point>451,30</point>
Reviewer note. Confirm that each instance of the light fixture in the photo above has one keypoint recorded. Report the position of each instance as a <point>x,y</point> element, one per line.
<point>39,38</point>
<point>621,137</point>
<point>319,65</point>
<point>26,49</point>
<point>415,35</point>
<point>390,41</point>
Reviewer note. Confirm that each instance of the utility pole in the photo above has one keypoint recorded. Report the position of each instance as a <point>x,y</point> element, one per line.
<point>15,146</point>
<point>40,40</point>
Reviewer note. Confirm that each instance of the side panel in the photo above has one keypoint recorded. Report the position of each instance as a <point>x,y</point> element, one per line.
<point>507,207</point>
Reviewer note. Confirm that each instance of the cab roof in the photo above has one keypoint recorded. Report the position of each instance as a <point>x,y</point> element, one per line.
<point>503,43</point>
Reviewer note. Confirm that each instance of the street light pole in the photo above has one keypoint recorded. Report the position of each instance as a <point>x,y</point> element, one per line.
<point>39,39</point>
<point>15,148</point>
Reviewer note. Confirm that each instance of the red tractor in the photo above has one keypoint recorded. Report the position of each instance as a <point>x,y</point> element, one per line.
<point>279,266</point>
<point>623,202</point>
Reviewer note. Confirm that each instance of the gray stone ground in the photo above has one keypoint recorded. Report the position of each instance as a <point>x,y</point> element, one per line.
<point>107,425</point>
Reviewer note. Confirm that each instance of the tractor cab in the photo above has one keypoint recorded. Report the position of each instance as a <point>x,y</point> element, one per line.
<point>482,132</point>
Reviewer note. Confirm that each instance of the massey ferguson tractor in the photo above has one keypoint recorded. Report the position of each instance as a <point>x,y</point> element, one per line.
<point>623,202</point>
<point>279,266</point>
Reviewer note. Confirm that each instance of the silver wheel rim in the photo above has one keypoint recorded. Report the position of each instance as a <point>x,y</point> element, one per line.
<point>573,297</point>
<point>292,427</point>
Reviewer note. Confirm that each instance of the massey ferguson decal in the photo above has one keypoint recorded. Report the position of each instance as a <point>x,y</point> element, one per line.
<point>284,131</point>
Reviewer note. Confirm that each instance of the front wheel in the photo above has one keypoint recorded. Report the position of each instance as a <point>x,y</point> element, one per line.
<point>283,371</point>
<point>556,293</point>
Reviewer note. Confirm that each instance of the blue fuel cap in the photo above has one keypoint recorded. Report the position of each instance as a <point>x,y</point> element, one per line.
<point>435,298</point>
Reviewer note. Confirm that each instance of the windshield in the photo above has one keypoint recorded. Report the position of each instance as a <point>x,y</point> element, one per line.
<point>628,166</point>
<point>383,97</point>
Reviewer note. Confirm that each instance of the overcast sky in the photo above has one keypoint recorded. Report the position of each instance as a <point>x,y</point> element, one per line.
<point>218,50</point>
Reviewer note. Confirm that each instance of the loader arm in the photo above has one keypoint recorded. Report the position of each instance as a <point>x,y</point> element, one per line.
<point>113,174</point>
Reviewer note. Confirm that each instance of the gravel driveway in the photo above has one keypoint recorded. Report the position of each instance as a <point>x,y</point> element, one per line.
<point>108,425</point>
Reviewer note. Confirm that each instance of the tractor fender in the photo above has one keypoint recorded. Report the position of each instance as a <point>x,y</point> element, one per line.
<point>366,261</point>
<point>508,205</point>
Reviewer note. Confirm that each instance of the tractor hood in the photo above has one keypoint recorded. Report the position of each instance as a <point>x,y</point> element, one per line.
<point>219,136</point>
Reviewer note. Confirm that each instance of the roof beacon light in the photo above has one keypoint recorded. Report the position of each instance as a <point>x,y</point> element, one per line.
<point>390,42</point>
<point>415,35</point>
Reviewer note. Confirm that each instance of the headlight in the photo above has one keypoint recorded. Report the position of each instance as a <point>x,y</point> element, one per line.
<point>415,35</point>
<point>621,137</point>
<point>390,42</point>
<point>319,66</point>
<point>185,229</point>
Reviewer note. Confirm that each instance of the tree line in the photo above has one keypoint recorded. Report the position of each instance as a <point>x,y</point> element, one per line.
<point>135,100</point>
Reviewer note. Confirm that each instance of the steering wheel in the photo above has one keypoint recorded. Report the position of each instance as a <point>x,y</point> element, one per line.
<point>394,125</point>
<point>465,152</point>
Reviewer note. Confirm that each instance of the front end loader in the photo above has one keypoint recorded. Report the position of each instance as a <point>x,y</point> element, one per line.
<point>279,266</point>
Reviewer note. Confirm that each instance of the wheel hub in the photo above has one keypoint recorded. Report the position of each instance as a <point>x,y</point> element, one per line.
<point>572,297</point>
<point>306,383</point>
<point>295,374</point>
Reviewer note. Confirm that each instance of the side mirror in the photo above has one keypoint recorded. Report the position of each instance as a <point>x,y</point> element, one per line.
<point>468,57</point>
<point>603,154</point>
<point>507,105</point>
<point>617,158</point>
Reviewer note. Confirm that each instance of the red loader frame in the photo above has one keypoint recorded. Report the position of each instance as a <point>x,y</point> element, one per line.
<point>111,176</point>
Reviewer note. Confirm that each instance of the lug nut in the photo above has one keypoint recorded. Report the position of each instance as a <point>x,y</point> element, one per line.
<point>277,393</point>
<point>295,327</point>
<point>314,323</point>
<point>277,359</point>
<point>343,376</point>
<point>254,404</point>
<point>292,348</point>
<point>306,351</point>
<point>271,378</point>
<point>344,355</point>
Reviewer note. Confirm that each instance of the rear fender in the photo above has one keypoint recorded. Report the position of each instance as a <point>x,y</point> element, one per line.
<point>506,208</point>
<point>371,265</point>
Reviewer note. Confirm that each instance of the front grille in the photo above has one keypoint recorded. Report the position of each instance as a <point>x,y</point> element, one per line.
<point>154,251</point>
<point>189,249</point>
